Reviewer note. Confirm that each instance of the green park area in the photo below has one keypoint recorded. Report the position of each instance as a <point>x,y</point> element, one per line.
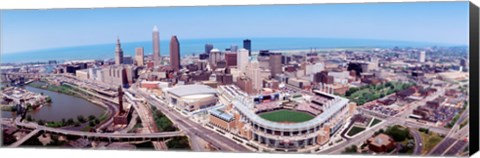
<point>355,130</point>
<point>430,139</point>
<point>364,94</point>
<point>375,121</point>
<point>286,116</point>
<point>163,123</point>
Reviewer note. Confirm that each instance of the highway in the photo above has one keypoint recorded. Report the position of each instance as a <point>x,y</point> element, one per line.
<point>25,138</point>
<point>192,129</point>
<point>35,126</point>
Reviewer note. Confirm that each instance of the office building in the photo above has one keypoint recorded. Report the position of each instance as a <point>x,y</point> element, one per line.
<point>422,56</point>
<point>139,56</point>
<point>247,44</point>
<point>242,59</point>
<point>174,53</point>
<point>208,48</point>
<point>231,59</point>
<point>118,53</point>
<point>275,63</point>
<point>234,48</point>
<point>156,46</point>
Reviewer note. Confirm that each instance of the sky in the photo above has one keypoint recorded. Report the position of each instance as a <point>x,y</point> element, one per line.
<point>435,22</point>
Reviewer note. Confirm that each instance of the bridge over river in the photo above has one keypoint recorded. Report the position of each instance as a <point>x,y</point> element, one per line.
<point>91,135</point>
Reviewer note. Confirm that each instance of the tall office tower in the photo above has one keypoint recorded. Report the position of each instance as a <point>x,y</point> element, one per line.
<point>118,53</point>
<point>247,44</point>
<point>422,56</point>
<point>208,48</point>
<point>139,56</point>
<point>231,59</point>
<point>242,59</point>
<point>373,65</point>
<point>156,46</point>
<point>233,48</point>
<point>174,53</point>
<point>275,63</point>
<point>257,74</point>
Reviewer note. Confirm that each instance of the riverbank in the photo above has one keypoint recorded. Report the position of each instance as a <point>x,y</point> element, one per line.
<point>80,123</point>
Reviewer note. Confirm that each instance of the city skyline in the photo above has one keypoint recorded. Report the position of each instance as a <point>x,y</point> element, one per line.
<point>352,21</point>
<point>303,94</point>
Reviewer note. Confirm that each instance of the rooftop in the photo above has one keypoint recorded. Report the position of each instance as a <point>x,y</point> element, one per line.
<point>221,114</point>
<point>187,90</point>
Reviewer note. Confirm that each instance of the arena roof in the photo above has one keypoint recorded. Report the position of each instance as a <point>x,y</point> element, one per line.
<point>187,90</point>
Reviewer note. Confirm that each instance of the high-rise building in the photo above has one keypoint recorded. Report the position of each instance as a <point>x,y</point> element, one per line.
<point>242,59</point>
<point>323,77</point>
<point>174,53</point>
<point>247,44</point>
<point>139,56</point>
<point>231,59</point>
<point>275,63</point>
<point>257,74</point>
<point>208,48</point>
<point>156,46</point>
<point>118,53</point>
<point>234,48</point>
<point>422,56</point>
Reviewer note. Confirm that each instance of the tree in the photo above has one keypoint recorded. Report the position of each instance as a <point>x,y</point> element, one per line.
<point>351,149</point>
<point>70,121</point>
<point>91,123</point>
<point>97,121</point>
<point>29,118</point>
<point>48,100</point>
<point>41,122</point>
<point>397,133</point>
<point>91,117</point>
<point>81,119</point>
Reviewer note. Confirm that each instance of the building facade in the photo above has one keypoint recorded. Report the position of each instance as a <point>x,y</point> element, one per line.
<point>156,46</point>
<point>174,53</point>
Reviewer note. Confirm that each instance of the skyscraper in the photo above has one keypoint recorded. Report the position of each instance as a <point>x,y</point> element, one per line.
<point>275,63</point>
<point>233,48</point>
<point>118,53</point>
<point>422,56</point>
<point>174,53</point>
<point>156,46</point>
<point>247,44</point>
<point>139,55</point>
<point>242,59</point>
<point>208,48</point>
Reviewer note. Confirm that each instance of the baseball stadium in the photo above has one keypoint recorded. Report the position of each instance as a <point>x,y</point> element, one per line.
<point>285,120</point>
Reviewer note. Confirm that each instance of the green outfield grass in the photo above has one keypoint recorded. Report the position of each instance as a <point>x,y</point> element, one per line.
<point>286,116</point>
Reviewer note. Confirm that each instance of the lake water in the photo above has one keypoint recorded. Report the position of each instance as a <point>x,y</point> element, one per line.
<point>197,46</point>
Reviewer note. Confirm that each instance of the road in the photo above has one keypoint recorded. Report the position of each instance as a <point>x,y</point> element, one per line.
<point>418,141</point>
<point>194,130</point>
<point>25,138</point>
<point>35,126</point>
<point>448,142</point>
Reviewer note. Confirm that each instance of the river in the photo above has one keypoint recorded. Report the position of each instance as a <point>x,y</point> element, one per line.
<point>62,106</point>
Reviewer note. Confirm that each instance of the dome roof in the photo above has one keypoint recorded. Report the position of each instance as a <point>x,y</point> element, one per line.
<point>215,50</point>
